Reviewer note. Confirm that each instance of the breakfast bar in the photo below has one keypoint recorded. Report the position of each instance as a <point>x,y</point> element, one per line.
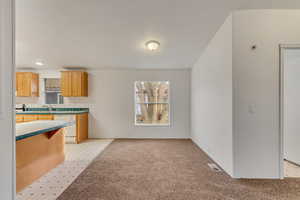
<point>39,148</point>
<point>76,133</point>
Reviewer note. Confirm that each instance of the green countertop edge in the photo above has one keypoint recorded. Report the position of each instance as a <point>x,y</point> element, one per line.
<point>51,113</point>
<point>27,135</point>
<point>57,109</point>
<point>54,111</point>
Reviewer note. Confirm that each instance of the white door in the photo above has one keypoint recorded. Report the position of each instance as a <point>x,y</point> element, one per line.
<point>291,101</point>
<point>7,141</point>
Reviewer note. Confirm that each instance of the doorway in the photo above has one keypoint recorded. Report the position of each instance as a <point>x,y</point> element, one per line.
<point>290,110</point>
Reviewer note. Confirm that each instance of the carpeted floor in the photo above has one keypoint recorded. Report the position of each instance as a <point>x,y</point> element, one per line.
<point>167,170</point>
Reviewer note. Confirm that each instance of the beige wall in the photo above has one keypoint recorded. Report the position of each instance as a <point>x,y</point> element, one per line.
<point>256,88</point>
<point>212,99</point>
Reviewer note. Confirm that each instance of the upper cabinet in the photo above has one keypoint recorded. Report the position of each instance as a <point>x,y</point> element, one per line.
<point>27,84</point>
<point>74,84</point>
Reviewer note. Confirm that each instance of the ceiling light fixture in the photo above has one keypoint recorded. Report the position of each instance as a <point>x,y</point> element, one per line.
<point>39,63</point>
<point>152,45</point>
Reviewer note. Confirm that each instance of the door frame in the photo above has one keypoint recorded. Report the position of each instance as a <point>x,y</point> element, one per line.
<point>7,100</point>
<point>282,48</point>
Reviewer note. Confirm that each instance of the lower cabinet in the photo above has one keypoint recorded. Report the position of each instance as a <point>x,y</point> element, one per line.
<point>82,127</point>
<point>19,118</point>
<point>45,117</point>
<point>29,118</point>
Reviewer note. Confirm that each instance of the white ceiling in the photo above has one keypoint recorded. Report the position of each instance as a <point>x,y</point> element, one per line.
<point>112,34</point>
<point>271,4</point>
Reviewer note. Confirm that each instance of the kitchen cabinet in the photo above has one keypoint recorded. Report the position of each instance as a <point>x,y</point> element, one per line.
<point>29,118</point>
<point>27,84</point>
<point>19,118</point>
<point>74,84</point>
<point>45,117</point>
<point>82,127</point>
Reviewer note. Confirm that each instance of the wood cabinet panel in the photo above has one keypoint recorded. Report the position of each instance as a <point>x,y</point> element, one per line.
<point>27,87</point>
<point>82,126</point>
<point>35,85</point>
<point>84,84</point>
<point>21,85</point>
<point>19,118</point>
<point>74,83</point>
<point>29,118</point>
<point>66,83</point>
<point>27,84</point>
<point>45,117</point>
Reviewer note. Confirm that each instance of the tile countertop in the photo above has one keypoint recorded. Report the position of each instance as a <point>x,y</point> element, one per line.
<point>29,129</point>
<point>54,111</point>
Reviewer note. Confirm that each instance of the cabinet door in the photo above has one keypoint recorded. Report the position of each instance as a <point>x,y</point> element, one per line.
<point>19,118</point>
<point>45,117</point>
<point>35,85</point>
<point>82,126</point>
<point>29,118</point>
<point>66,84</point>
<point>76,84</point>
<point>27,84</point>
<point>79,84</point>
<point>19,84</point>
<point>23,84</point>
<point>27,78</point>
<point>84,83</point>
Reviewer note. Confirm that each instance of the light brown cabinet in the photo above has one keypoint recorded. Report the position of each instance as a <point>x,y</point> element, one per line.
<point>74,84</point>
<point>45,117</point>
<point>29,118</point>
<point>82,127</point>
<point>27,84</point>
<point>19,118</point>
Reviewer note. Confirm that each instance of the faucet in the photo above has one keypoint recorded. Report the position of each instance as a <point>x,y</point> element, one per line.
<point>23,108</point>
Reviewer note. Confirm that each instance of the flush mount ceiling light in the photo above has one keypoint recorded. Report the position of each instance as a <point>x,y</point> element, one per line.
<point>39,63</point>
<point>152,45</point>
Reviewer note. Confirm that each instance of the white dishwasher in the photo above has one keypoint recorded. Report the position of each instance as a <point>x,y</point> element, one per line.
<point>70,131</point>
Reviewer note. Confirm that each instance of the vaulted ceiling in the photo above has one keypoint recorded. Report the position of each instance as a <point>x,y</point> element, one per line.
<point>112,34</point>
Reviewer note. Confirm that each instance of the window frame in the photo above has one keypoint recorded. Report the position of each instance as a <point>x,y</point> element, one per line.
<point>168,103</point>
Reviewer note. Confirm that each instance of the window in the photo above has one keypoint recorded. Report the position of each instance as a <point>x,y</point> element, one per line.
<point>152,104</point>
<point>52,91</point>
